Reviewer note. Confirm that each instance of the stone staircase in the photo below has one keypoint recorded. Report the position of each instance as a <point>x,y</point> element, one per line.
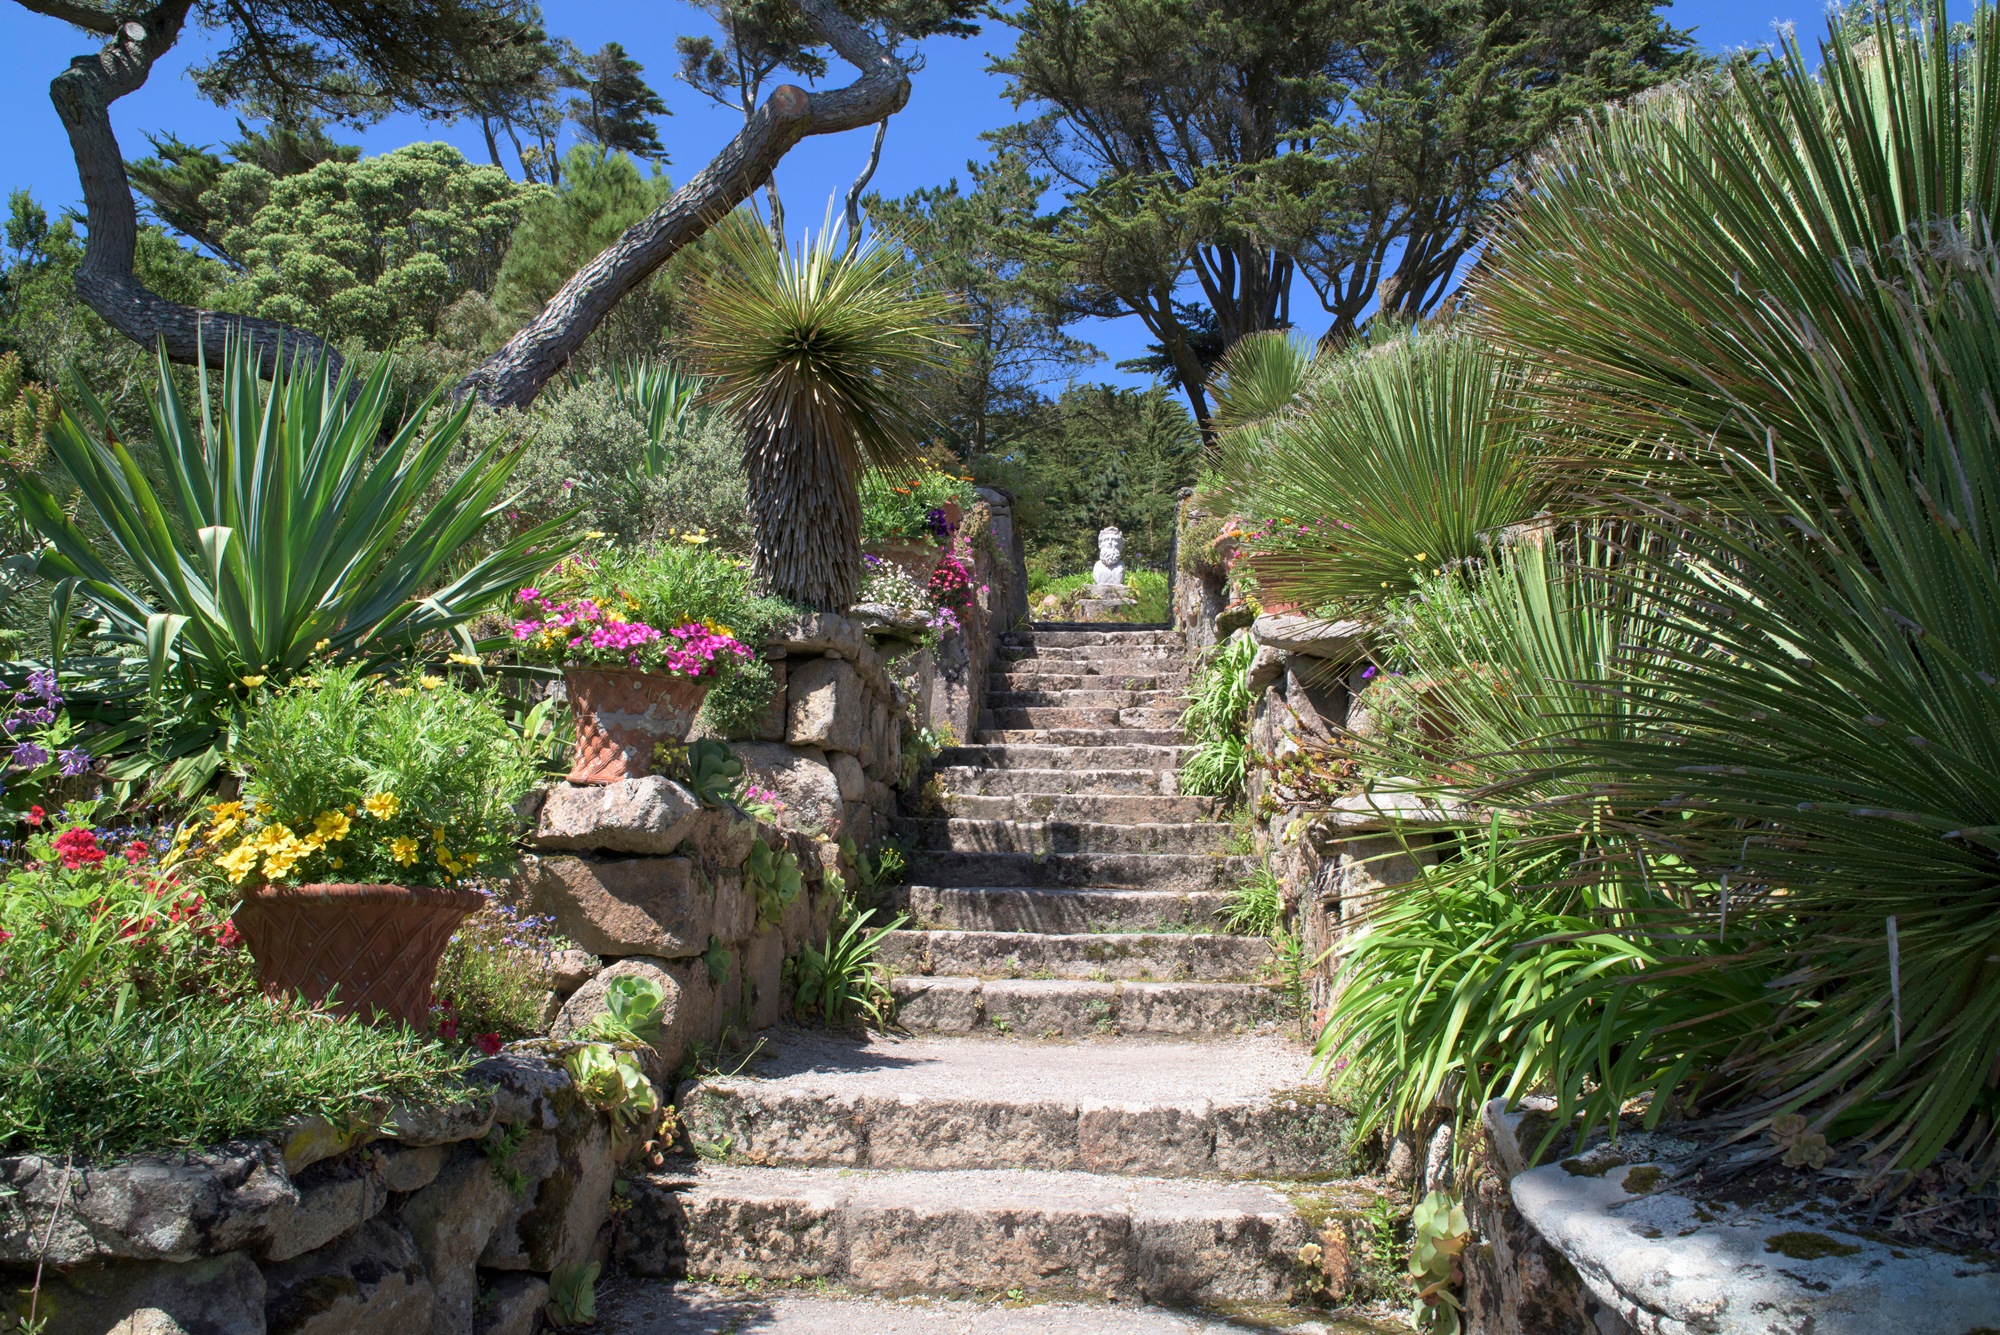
<point>1096,1093</point>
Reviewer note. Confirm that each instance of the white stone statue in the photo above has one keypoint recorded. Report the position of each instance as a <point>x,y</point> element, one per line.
<point>1110,567</point>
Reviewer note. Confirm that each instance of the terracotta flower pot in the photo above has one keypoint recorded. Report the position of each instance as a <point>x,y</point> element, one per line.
<point>374,948</point>
<point>622,714</point>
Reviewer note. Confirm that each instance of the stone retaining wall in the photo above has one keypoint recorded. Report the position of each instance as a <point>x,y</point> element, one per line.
<point>425,1225</point>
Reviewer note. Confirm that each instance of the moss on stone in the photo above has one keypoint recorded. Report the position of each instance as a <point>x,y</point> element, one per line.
<point>1803,1246</point>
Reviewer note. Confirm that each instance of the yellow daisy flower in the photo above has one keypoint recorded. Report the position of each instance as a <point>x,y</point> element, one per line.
<point>430,683</point>
<point>403,849</point>
<point>253,681</point>
<point>383,806</point>
<point>239,862</point>
<point>331,826</point>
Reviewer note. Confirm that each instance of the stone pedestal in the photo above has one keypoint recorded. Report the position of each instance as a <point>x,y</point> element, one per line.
<point>1104,602</point>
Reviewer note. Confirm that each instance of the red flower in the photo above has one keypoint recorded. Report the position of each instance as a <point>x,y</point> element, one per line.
<point>136,851</point>
<point>229,938</point>
<point>489,1044</point>
<point>78,848</point>
<point>35,815</point>
<point>448,1028</point>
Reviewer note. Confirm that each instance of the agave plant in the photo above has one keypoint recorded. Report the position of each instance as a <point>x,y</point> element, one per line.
<point>1400,461</point>
<point>289,529</point>
<point>822,354</point>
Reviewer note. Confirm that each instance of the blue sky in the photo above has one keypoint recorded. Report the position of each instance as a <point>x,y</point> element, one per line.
<point>954,99</point>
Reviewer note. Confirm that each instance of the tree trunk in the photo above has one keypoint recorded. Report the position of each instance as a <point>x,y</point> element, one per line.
<point>805,511</point>
<point>83,95</point>
<point>514,375</point>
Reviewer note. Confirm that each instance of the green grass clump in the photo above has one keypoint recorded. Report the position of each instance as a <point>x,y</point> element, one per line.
<point>96,1080</point>
<point>1154,605</point>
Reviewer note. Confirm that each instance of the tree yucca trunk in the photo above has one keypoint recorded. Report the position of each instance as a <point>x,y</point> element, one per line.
<point>806,511</point>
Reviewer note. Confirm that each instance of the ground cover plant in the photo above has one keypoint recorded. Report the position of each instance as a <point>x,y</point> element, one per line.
<point>1217,722</point>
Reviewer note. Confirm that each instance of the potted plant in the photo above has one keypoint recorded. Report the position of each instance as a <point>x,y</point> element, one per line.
<point>911,522</point>
<point>640,639</point>
<point>368,808</point>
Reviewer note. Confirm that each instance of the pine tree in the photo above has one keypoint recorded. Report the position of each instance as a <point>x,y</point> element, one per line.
<point>617,109</point>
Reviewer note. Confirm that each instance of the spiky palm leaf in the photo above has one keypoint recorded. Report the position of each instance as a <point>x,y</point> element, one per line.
<point>1655,267</point>
<point>822,354</point>
<point>1261,376</point>
<point>1403,460</point>
<point>663,396</point>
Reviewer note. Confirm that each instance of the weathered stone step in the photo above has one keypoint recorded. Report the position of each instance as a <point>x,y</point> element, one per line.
<point>1140,808</point>
<point>1148,871</point>
<point>1044,756</point>
<point>1067,657</point>
<point>1178,957</point>
<point>1065,716</point>
<point>1085,675</point>
<point>991,1231</point>
<point>1080,737</point>
<point>1065,1008</point>
<point>1010,908</point>
<point>1086,698</point>
<point>1039,837</point>
<point>1244,1107</point>
<point>966,781</point>
<point>1073,638</point>
<point>682,1307</point>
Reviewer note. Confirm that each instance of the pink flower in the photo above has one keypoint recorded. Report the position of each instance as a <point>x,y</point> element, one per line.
<point>489,1044</point>
<point>78,848</point>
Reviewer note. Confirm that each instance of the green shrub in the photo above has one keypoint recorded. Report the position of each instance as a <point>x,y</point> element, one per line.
<point>1256,907</point>
<point>351,778</point>
<point>97,1080</point>
<point>1154,607</point>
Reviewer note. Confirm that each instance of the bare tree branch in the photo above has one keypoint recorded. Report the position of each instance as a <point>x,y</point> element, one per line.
<point>861,183</point>
<point>83,95</point>
<point>514,375</point>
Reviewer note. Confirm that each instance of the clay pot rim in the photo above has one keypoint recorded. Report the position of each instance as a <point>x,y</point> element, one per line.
<point>361,893</point>
<point>605,670</point>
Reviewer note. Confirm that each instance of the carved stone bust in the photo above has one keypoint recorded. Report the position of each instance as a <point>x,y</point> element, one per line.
<point>1110,567</point>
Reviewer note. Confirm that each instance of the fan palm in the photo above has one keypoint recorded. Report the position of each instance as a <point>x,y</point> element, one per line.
<point>288,530</point>
<point>822,355</point>
<point>1399,462</point>
<point>1261,376</point>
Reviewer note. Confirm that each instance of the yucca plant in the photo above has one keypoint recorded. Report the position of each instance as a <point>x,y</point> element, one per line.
<point>288,529</point>
<point>822,354</point>
<point>1401,461</point>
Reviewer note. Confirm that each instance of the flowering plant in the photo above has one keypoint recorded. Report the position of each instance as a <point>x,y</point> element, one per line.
<point>909,509</point>
<point>667,608</point>
<point>890,585</point>
<point>953,586</point>
<point>99,904</point>
<point>43,746</point>
<point>584,631</point>
<point>352,778</point>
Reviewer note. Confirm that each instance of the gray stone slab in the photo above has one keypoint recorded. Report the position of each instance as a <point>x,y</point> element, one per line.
<point>1057,909</point>
<point>1036,1008</point>
<point>985,835</point>
<point>1050,757</point>
<point>1147,871</point>
<point>1097,956</point>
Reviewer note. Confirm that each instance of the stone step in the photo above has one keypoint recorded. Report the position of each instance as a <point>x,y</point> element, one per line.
<point>1178,957</point>
<point>1074,637</point>
<point>1086,698</point>
<point>985,1231</point>
<point>967,781</point>
<point>1066,1008</point>
<point>1081,737</point>
<point>1107,658</point>
<point>1142,871</point>
<point>1087,676</point>
<point>1065,716</point>
<point>1046,756</point>
<point>1245,1107</point>
<point>1116,808</point>
<point>1040,837</point>
<point>1010,908</point>
<point>680,1307</point>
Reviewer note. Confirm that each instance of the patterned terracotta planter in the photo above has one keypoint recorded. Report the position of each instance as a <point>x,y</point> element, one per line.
<point>373,948</point>
<point>621,715</point>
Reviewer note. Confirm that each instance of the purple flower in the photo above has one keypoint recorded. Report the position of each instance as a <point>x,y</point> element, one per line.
<point>75,761</point>
<point>1367,672</point>
<point>30,755</point>
<point>43,683</point>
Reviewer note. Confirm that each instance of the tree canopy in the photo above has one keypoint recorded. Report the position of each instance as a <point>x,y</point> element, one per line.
<point>1214,150</point>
